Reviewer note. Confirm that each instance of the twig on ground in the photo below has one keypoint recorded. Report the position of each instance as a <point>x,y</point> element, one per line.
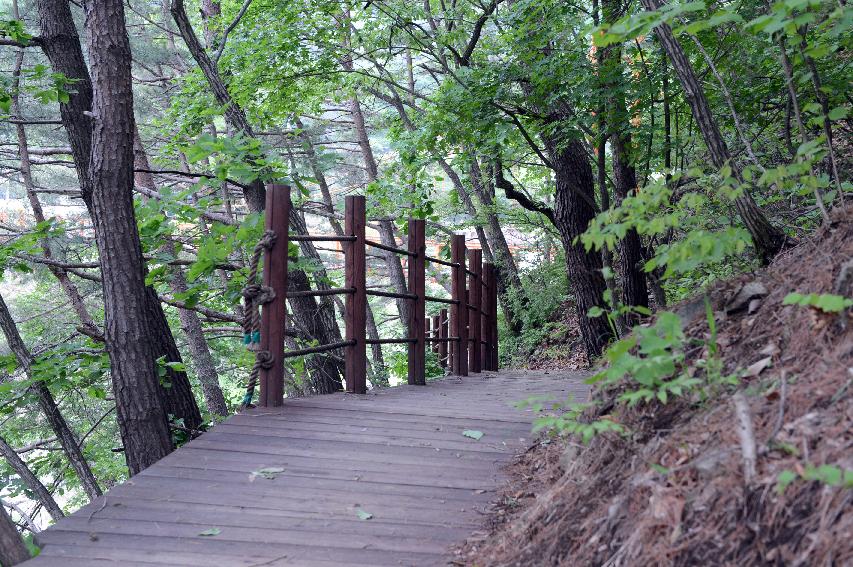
<point>746,436</point>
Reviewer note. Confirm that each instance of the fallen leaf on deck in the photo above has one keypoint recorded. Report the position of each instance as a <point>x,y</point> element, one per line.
<point>473,434</point>
<point>362,515</point>
<point>268,473</point>
<point>211,532</point>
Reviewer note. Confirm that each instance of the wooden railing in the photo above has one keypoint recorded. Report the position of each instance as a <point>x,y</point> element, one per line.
<point>465,338</point>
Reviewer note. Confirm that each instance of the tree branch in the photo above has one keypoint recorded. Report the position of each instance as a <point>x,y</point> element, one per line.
<point>520,197</point>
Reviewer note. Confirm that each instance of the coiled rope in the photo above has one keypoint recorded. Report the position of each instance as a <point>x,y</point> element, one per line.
<point>255,295</point>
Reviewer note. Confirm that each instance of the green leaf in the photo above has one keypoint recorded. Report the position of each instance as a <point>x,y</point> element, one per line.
<point>473,434</point>
<point>362,514</point>
<point>785,478</point>
<point>211,532</point>
<point>826,302</point>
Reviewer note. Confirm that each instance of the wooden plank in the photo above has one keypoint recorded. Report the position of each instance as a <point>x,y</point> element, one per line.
<point>458,311</point>
<point>273,314</point>
<point>417,286</point>
<point>444,325</point>
<point>355,311</point>
<point>494,363</point>
<point>475,290</point>
<point>397,453</point>
<point>214,548</point>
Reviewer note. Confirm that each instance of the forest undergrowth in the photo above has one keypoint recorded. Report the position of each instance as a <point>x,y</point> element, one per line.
<point>751,467</point>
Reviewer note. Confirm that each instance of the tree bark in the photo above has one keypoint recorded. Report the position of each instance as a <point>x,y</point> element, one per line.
<point>12,547</point>
<point>33,483</point>
<point>573,211</point>
<point>386,227</point>
<point>508,280</point>
<point>320,324</point>
<point>303,312</point>
<point>768,239</point>
<point>634,289</point>
<point>61,44</point>
<point>68,287</point>
<point>142,416</point>
<point>322,183</point>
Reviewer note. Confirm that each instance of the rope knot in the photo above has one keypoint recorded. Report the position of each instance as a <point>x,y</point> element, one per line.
<point>251,291</point>
<point>267,240</point>
<point>263,359</point>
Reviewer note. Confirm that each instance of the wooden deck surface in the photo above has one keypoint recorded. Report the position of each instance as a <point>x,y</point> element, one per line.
<point>398,455</point>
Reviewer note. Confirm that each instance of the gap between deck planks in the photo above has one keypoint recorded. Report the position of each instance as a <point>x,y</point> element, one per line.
<point>398,454</point>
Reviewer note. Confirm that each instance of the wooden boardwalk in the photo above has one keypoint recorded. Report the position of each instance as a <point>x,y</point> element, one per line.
<point>398,455</point>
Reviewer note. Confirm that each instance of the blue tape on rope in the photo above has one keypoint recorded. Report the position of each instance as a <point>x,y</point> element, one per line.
<point>247,399</point>
<point>256,337</point>
<point>247,338</point>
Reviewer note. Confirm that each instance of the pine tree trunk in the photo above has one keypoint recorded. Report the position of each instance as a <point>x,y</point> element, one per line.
<point>322,183</point>
<point>508,282</point>
<point>386,227</point>
<point>48,406</point>
<point>142,415</point>
<point>61,44</point>
<point>634,287</point>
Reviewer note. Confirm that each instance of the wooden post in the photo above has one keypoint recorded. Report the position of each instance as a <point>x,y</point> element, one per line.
<point>355,311</point>
<point>273,314</point>
<point>493,309</point>
<point>459,310</point>
<point>475,294</point>
<point>417,286</point>
<point>442,334</point>
<point>486,318</point>
<point>436,324</point>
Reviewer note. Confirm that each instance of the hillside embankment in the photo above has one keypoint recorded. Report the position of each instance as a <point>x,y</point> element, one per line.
<point>757,473</point>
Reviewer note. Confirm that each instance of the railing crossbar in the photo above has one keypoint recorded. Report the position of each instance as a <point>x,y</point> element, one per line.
<point>442,262</point>
<point>321,292</point>
<point>441,300</point>
<point>391,294</point>
<point>390,341</point>
<point>389,248</point>
<point>316,349</point>
<point>320,238</point>
<point>463,333</point>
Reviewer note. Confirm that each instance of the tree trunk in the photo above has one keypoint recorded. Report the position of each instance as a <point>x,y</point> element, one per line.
<point>634,289</point>
<point>142,417</point>
<point>88,324</point>
<point>386,227</point>
<point>768,239</point>
<point>573,211</point>
<point>322,183</point>
<point>33,483</point>
<point>48,406</point>
<point>202,360</point>
<point>255,196</point>
<point>12,547</point>
<point>508,282</point>
<point>61,44</point>
<point>321,323</point>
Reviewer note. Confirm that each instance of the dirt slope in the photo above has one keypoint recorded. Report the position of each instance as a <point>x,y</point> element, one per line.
<point>674,492</point>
